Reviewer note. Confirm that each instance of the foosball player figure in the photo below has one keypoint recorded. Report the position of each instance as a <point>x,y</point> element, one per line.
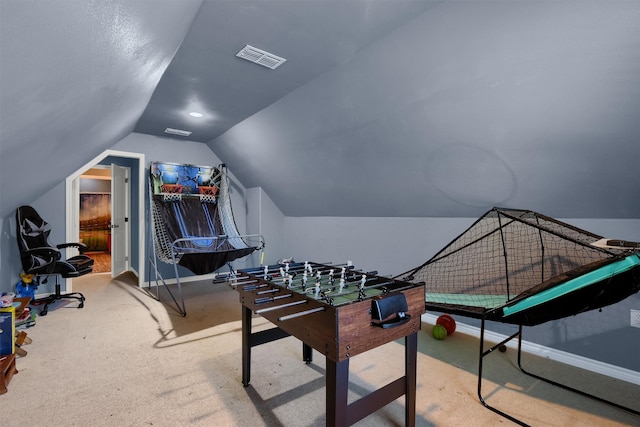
<point>324,295</point>
<point>361,295</point>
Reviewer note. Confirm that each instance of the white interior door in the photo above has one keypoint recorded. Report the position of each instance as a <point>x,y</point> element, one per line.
<point>120,226</point>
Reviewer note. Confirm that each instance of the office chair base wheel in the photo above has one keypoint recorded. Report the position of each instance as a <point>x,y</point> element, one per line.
<point>49,300</point>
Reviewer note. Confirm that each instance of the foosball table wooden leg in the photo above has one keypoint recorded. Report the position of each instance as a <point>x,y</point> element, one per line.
<point>307,353</point>
<point>411,359</point>
<point>337,389</point>
<point>246,346</point>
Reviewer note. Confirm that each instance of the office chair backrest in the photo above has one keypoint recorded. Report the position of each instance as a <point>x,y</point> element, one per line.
<point>33,233</point>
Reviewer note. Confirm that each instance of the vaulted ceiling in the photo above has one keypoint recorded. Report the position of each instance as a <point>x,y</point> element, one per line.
<point>382,107</point>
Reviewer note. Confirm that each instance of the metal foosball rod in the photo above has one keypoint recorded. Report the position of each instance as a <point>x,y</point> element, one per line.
<point>269,291</point>
<point>243,282</point>
<point>354,276</point>
<point>270,271</point>
<point>279,307</point>
<point>264,300</point>
<point>314,287</point>
<point>300,314</point>
<point>358,288</point>
<point>283,275</point>
<point>290,277</point>
<point>243,276</point>
<point>248,286</point>
<point>258,271</point>
<point>254,287</point>
<point>294,266</point>
<point>347,270</point>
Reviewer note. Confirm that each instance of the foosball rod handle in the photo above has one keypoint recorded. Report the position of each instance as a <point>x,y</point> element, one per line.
<point>300,314</point>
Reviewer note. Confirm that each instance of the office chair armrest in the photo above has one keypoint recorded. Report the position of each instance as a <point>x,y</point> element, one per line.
<point>44,251</point>
<point>81,246</point>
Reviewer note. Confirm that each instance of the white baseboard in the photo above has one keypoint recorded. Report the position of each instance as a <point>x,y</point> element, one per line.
<point>548,352</point>
<point>187,279</point>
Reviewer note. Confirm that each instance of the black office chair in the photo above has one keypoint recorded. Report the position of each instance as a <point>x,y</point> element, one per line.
<point>42,259</point>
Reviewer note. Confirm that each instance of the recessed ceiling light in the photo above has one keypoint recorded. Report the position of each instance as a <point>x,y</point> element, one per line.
<point>177,132</point>
<point>196,114</point>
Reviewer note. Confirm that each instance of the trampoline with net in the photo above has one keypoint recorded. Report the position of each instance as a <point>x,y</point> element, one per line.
<point>524,268</point>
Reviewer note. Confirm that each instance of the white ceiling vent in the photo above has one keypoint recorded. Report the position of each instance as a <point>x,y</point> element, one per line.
<point>261,57</point>
<point>177,132</point>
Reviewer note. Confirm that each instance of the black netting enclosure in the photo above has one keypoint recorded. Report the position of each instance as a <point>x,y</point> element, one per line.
<point>521,267</point>
<point>192,223</point>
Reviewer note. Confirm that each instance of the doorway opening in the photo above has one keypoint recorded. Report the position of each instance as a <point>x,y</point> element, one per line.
<point>133,250</point>
<point>95,216</point>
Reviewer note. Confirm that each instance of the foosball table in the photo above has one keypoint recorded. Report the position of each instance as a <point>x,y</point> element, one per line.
<point>340,312</point>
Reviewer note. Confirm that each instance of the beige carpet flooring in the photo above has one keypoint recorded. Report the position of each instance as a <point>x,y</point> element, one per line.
<point>127,359</point>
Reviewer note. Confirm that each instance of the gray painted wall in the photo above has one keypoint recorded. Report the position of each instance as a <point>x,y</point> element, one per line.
<point>51,205</point>
<point>389,245</point>
<point>264,218</point>
<point>394,245</point>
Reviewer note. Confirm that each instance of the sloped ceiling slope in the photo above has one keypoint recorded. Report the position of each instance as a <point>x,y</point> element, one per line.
<point>313,36</point>
<point>470,105</point>
<point>383,107</point>
<point>75,77</point>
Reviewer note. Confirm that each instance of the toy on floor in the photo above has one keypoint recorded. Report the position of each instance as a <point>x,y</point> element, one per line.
<point>439,332</point>
<point>25,287</point>
<point>448,322</point>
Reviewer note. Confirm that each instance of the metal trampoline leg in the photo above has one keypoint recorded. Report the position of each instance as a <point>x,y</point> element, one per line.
<point>484,353</point>
<point>566,387</point>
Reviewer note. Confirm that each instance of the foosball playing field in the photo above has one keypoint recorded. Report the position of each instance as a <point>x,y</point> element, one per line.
<point>335,285</point>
